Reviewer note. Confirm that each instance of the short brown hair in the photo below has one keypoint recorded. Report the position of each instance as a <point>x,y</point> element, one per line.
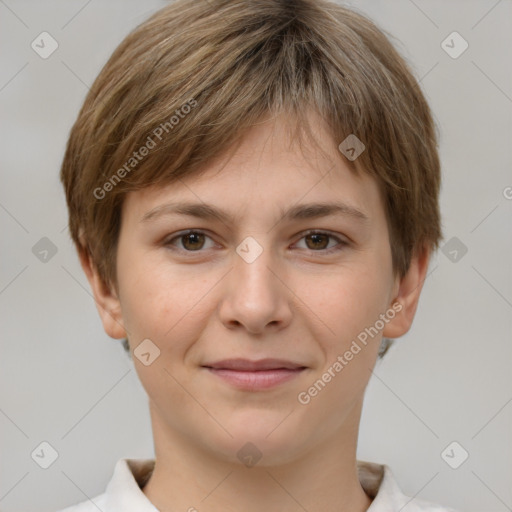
<point>204,72</point>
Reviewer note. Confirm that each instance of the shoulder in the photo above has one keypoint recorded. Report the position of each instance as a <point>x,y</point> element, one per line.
<point>379,483</point>
<point>123,492</point>
<point>416,505</point>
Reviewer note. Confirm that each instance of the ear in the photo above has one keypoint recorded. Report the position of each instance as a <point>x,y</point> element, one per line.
<point>106,299</point>
<point>407,295</point>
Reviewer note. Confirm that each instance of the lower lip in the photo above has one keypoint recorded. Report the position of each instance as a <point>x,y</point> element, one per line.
<point>252,381</point>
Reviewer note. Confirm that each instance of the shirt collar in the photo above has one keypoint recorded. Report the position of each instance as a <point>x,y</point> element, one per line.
<point>124,491</point>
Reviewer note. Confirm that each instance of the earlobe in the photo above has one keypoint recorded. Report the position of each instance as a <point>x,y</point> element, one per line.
<point>406,299</point>
<point>107,301</point>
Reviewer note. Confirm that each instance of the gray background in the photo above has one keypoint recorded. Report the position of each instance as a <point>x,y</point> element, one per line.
<point>65,382</point>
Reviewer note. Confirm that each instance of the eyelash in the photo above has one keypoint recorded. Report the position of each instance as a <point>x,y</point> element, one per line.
<point>340,246</point>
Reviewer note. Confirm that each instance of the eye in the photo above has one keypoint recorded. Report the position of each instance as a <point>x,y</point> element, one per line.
<point>190,241</point>
<point>319,241</point>
<point>194,241</point>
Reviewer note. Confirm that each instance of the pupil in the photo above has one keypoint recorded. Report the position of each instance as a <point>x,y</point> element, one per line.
<point>194,238</point>
<point>316,238</point>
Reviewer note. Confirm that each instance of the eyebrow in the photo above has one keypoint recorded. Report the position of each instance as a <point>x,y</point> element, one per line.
<point>298,212</point>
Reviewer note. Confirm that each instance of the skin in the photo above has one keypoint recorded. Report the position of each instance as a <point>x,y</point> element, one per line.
<point>294,302</point>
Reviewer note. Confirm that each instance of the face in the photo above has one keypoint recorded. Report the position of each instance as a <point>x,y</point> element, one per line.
<point>275,257</point>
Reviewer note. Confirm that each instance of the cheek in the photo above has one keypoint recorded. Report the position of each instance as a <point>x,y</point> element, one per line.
<point>164,304</point>
<point>170,308</point>
<point>346,301</point>
<point>350,303</point>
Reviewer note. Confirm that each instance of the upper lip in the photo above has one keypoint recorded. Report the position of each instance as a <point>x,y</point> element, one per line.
<point>248,365</point>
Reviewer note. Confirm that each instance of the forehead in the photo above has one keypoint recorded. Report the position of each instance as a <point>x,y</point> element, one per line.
<point>270,168</point>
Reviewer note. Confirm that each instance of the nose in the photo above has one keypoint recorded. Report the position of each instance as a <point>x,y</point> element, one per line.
<point>255,296</point>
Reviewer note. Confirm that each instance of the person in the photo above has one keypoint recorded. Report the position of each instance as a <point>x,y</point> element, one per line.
<point>253,194</point>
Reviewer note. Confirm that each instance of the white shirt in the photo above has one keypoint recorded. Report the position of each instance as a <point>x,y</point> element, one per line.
<point>124,494</point>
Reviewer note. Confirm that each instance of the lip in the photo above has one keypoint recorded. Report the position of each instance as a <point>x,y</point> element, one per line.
<point>246,365</point>
<point>255,375</point>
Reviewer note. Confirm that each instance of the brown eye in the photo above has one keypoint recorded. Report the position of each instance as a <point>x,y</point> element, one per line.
<point>318,241</point>
<point>193,241</point>
<point>190,241</point>
<point>321,242</point>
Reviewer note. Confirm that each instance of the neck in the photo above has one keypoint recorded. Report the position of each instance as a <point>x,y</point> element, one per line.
<point>188,477</point>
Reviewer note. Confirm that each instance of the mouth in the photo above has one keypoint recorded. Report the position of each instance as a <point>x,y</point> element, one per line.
<point>255,375</point>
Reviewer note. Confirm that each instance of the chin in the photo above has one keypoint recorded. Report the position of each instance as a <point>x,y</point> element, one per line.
<point>259,439</point>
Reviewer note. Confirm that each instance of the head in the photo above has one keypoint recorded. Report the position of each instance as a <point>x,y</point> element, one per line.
<point>252,109</point>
